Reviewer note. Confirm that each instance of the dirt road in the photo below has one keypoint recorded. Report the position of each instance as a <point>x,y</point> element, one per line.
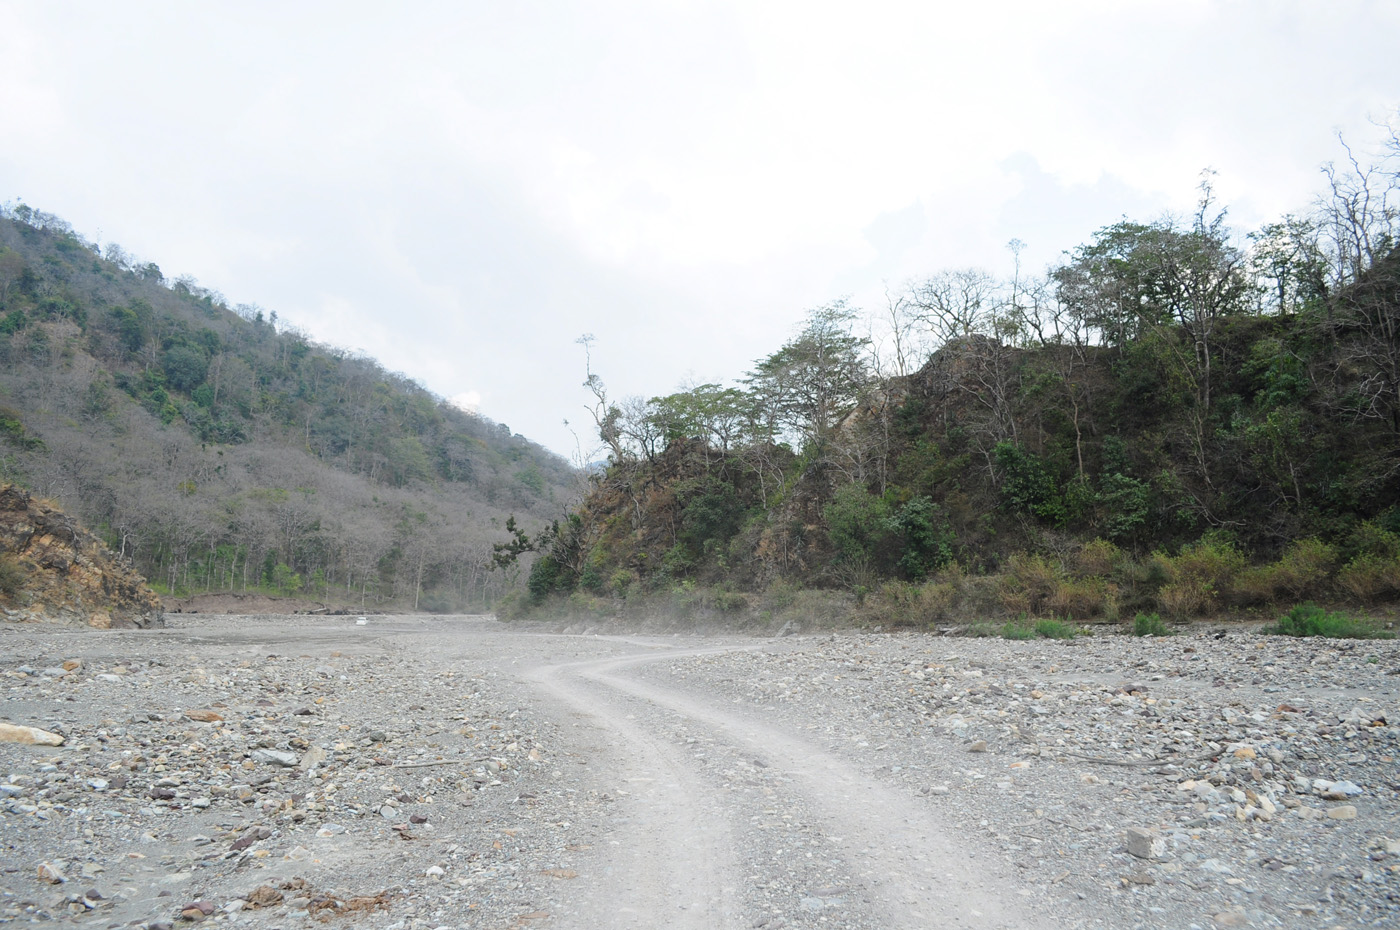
<point>720,794</point>
<point>428,772</point>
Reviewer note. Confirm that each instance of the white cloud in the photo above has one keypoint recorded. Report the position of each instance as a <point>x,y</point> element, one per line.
<point>463,190</point>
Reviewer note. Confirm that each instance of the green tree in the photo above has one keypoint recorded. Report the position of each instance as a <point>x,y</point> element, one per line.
<point>926,541</point>
<point>813,382</point>
<point>1027,485</point>
<point>185,367</point>
<point>858,525</point>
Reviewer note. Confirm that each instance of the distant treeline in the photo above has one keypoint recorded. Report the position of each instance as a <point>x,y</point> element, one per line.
<point>221,449</point>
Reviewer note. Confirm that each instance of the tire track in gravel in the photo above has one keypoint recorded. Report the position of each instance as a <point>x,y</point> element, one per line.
<point>913,868</point>
<point>669,863</point>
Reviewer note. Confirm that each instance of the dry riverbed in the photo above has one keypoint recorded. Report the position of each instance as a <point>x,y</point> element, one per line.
<point>417,772</point>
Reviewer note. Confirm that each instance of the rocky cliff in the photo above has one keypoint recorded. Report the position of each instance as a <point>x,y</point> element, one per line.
<point>53,569</point>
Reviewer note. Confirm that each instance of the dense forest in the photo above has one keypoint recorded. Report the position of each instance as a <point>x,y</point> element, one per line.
<point>1173,418</point>
<point>222,451</point>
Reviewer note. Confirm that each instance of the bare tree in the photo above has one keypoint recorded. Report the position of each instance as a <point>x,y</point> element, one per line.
<point>1359,211</point>
<point>956,304</point>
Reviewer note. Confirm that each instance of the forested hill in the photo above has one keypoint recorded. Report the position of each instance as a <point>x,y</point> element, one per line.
<point>1175,419</point>
<point>222,451</point>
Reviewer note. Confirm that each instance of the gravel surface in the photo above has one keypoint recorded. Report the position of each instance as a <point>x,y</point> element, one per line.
<point>422,772</point>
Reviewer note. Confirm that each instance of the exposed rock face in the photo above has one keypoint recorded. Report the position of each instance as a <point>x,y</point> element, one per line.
<point>56,570</point>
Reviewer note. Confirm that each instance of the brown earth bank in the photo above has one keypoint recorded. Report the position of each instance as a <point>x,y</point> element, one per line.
<point>418,772</point>
<point>52,569</point>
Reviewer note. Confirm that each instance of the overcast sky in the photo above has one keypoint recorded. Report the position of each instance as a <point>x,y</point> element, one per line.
<point>461,189</point>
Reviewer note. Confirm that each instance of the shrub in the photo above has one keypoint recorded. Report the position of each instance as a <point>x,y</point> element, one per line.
<point>582,604</point>
<point>1311,620</point>
<point>1028,582</point>
<point>1370,578</point>
<point>1301,570</point>
<point>1055,629</point>
<point>1017,629</point>
<point>1256,585</point>
<point>438,602</point>
<point>981,630</point>
<point>1214,563</point>
<point>12,577</point>
<point>1304,566</point>
<point>512,606</point>
<point>1098,558</point>
<point>1079,599</point>
<point>779,596</point>
<point>730,601</point>
<point>1150,625</point>
<point>1370,538</point>
<point>1201,574</point>
<point>622,582</point>
<point>1186,597</point>
<point>900,603</point>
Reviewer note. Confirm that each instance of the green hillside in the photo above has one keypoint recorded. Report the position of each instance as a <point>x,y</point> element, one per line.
<point>1174,419</point>
<point>222,451</point>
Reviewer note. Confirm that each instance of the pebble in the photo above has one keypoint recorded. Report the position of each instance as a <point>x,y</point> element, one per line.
<point>1215,743</point>
<point>1079,758</point>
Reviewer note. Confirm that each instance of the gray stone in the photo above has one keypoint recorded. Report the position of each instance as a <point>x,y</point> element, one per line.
<point>1145,844</point>
<point>1341,790</point>
<point>275,757</point>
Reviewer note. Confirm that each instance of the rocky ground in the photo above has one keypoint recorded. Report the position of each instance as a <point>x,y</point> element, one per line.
<point>418,772</point>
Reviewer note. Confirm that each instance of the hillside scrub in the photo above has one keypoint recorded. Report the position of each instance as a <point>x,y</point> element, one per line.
<point>221,450</point>
<point>1175,421</point>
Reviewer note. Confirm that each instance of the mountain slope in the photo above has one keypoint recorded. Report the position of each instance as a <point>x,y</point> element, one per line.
<point>221,451</point>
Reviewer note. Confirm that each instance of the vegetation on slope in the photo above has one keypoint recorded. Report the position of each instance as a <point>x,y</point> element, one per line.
<point>1172,420</point>
<point>222,451</point>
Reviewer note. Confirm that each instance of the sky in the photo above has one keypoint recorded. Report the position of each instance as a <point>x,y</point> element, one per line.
<point>462,189</point>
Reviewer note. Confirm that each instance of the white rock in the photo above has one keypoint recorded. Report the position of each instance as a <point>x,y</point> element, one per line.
<point>275,757</point>
<point>15,733</point>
